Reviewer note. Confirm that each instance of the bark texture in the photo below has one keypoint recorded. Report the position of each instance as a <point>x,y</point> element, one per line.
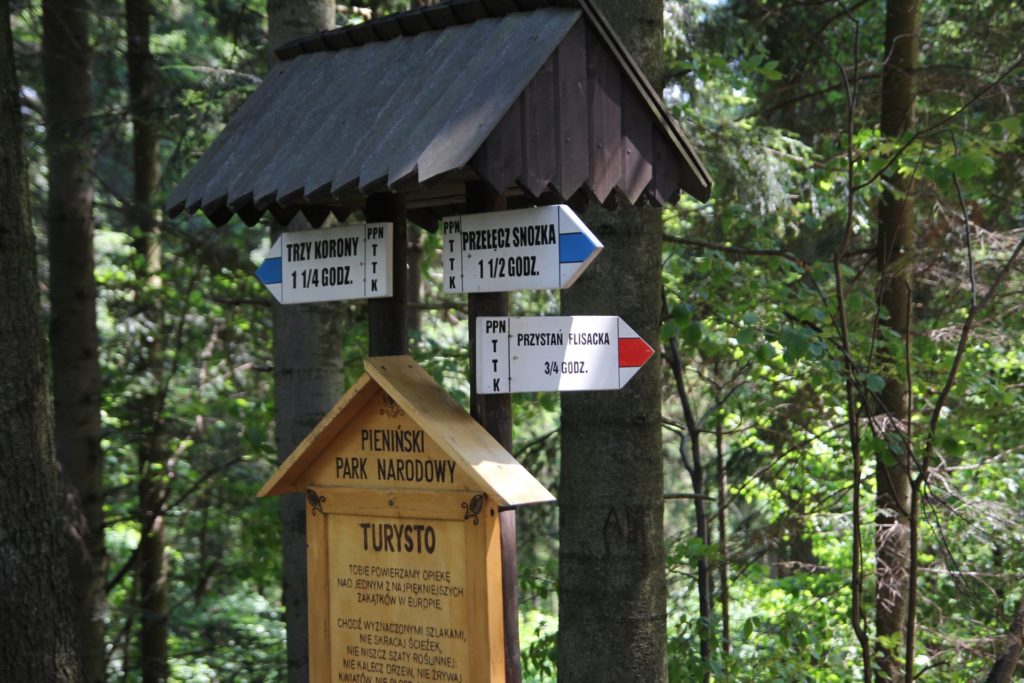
<point>895,259</point>
<point>67,75</point>
<point>611,554</point>
<point>1008,662</point>
<point>308,379</point>
<point>291,19</point>
<point>308,368</point>
<point>151,568</point>
<point>38,638</point>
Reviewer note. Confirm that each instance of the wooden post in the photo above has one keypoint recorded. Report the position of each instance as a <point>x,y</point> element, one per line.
<point>494,413</point>
<point>388,319</point>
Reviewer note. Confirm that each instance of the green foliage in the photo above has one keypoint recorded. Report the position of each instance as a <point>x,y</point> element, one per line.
<point>781,99</point>
<point>764,356</point>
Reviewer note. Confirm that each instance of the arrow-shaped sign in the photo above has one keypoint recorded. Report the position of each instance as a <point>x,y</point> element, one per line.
<point>558,353</point>
<point>332,264</point>
<point>546,247</point>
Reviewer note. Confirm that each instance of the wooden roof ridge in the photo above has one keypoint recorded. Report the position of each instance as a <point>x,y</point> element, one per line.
<point>412,22</point>
<point>477,453</point>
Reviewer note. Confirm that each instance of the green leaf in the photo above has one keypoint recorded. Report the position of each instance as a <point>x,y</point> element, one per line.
<point>692,333</point>
<point>746,336</point>
<point>797,341</point>
<point>875,383</point>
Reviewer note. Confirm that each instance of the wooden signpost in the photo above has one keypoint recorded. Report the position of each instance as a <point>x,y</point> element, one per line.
<point>544,247</point>
<point>404,561</point>
<point>332,264</point>
<point>558,353</point>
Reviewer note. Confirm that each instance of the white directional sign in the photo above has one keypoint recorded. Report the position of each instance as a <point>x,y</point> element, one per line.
<point>559,353</point>
<point>332,264</point>
<point>546,247</point>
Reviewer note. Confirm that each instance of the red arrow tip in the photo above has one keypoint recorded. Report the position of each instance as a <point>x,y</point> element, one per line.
<point>633,352</point>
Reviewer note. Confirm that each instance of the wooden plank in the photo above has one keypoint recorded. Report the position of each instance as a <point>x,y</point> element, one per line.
<point>395,142</point>
<point>249,214</point>
<point>337,39</point>
<point>444,420</point>
<point>381,578</point>
<point>384,104</point>
<point>239,170</point>
<point>666,171</point>
<point>334,120</point>
<point>387,28</point>
<point>283,214</point>
<point>388,318</point>
<point>414,22</point>
<point>286,478</point>
<point>467,11</point>
<point>502,158</point>
<point>490,86</point>
<point>497,8</point>
<point>479,46</point>
<point>540,129</point>
<point>701,188</point>
<point>256,146</point>
<point>440,16</point>
<point>317,591</point>
<point>637,147</point>
<point>402,504</point>
<point>330,157</point>
<point>573,121</point>
<point>484,585</point>
<point>314,43</point>
<point>503,611</point>
<point>604,87</point>
<point>361,34</point>
<point>355,460</point>
<point>188,194</point>
<point>316,215</point>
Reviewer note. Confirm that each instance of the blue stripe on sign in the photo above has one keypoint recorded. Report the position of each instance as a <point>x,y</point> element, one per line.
<point>574,247</point>
<point>269,271</point>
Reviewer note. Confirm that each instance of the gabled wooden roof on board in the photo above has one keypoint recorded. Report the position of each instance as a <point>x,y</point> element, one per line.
<point>535,97</point>
<point>474,451</point>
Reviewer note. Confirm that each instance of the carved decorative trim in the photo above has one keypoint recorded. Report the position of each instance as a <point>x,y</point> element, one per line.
<point>316,502</point>
<point>473,508</point>
<point>391,408</point>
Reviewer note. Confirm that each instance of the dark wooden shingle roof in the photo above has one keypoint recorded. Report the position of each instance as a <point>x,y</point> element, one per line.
<point>535,97</point>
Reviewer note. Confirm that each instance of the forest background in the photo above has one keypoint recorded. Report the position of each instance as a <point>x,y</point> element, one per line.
<point>843,433</point>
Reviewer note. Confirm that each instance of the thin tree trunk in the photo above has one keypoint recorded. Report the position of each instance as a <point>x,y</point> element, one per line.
<point>152,561</point>
<point>414,283</point>
<point>612,589</point>
<point>723,537</point>
<point>1009,660</point>
<point>895,257</point>
<point>38,636</point>
<point>695,468</point>
<point>308,367</point>
<point>67,75</point>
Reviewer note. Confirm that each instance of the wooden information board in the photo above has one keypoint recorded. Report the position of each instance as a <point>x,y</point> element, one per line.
<point>402,580</point>
<point>404,549</point>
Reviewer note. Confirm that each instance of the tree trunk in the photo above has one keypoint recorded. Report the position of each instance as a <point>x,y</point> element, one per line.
<point>895,246</point>
<point>67,75</point>
<point>38,635</point>
<point>308,368</point>
<point>611,555</point>
<point>291,19</point>
<point>1006,665</point>
<point>151,569</point>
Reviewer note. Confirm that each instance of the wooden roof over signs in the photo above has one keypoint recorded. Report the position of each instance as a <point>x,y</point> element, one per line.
<point>536,97</point>
<point>460,437</point>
